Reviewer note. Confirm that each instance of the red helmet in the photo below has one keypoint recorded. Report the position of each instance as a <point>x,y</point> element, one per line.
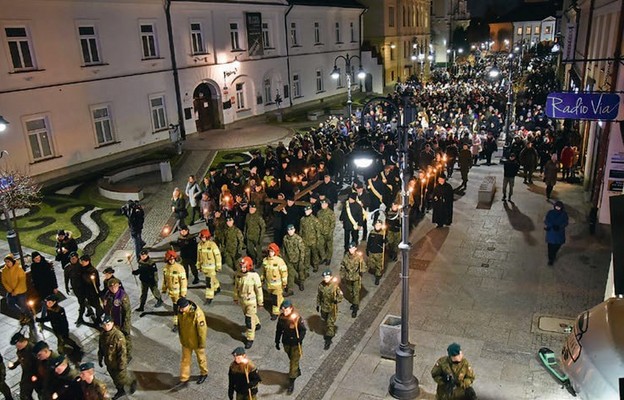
<point>171,254</point>
<point>246,263</point>
<point>274,247</point>
<point>205,233</point>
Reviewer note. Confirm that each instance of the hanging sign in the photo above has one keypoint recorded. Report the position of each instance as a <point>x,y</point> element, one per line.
<point>591,106</point>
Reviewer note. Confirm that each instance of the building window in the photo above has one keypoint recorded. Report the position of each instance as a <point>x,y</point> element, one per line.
<point>391,17</point>
<point>234,41</point>
<point>338,33</point>
<point>352,30</point>
<point>294,40</point>
<point>266,36</point>
<point>391,53</point>
<point>519,31</point>
<point>148,41</point>
<point>197,39</point>
<point>159,113</point>
<point>240,96</point>
<point>38,131</point>
<point>319,81</point>
<point>317,33</point>
<point>528,30</point>
<point>296,91</point>
<point>267,91</point>
<point>404,17</point>
<point>547,29</point>
<point>20,48</point>
<point>103,124</point>
<point>537,30</point>
<point>405,50</point>
<point>89,45</point>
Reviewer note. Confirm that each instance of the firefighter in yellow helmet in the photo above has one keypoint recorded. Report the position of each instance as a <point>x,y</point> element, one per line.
<point>209,261</point>
<point>248,293</point>
<point>174,283</point>
<point>275,274</point>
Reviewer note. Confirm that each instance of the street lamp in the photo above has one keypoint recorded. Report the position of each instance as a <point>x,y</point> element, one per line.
<point>421,58</point>
<point>361,74</point>
<point>3,124</point>
<point>495,73</point>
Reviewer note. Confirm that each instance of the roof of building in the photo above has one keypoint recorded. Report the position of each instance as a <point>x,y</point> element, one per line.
<point>530,12</point>
<point>328,3</point>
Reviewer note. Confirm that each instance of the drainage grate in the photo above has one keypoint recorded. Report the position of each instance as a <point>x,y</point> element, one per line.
<point>555,324</point>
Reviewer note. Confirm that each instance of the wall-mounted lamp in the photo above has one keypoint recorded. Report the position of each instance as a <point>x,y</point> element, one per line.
<point>3,123</point>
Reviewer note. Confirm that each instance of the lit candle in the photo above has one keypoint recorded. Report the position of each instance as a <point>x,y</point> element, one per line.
<point>33,378</point>
<point>166,229</point>
<point>11,364</point>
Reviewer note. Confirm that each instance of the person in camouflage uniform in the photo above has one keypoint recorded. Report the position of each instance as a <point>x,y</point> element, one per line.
<point>254,232</point>
<point>310,229</point>
<point>375,247</point>
<point>248,293</point>
<point>92,388</point>
<point>275,274</point>
<point>327,299</point>
<point>327,218</point>
<point>209,261</point>
<point>113,352</point>
<point>43,377</point>
<point>454,376</point>
<point>351,271</point>
<point>233,243</point>
<point>294,255</point>
<point>117,305</point>
<point>393,221</point>
<point>291,330</point>
<point>174,283</point>
<point>219,230</point>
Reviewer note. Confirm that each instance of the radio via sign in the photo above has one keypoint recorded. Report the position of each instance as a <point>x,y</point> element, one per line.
<point>588,106</point>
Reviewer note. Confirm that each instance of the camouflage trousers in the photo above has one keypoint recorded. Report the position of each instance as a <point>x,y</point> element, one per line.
<point>375,263</point>
<point>394,238</point>
<point>330,319</point>
<point>254,249</point>
<point>352,290</point>
<point>294,355</point>
<point>313,257</point>
<point>326,246</point>
<point>231,259</point>
<point>120,377</point>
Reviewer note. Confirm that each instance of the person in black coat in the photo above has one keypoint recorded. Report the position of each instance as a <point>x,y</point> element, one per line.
<point>43,276</point>
<point>352,218</point>
<point>58,319</point>
<point>65,244</point>
<point>442,203</point>
<point>187,246</point>
<point>148,275</point>
<point>510,170</point>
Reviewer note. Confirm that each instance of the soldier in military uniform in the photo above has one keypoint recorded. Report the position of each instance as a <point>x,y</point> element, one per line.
<point>113,352</point>
<point>327,218</point>
<point>58,319</point>
<point>310,233</point>
<point>72,274</point>
<point>117,305</point>
<point>375,247</point>
<point>28,361</point>
<point>193,330</point>
<point>209,261</point>
<point>187,245</point>
<point>148,275</point>
<point>248,293</point>
<point>393,221</point>
<point>243,377</point>
<point>352,217</point>
<point>233,243</point>
<point>294,255</point>
<point>351,271</point>
<point>92,388</point>
<point>454,376</point>
<point>43,376</point>
<point>174,283</point>
<point>219,229</point>
<point>327,299</point>
<point>89,287</point>
<point>4,388</point>
<point>66,382</point>
<point>254,232</point>
<point>275,274</point>
<point>291,330</point>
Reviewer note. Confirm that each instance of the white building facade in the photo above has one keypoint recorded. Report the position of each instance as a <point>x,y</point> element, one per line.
<point>529,33</point>
<point>88,82</point>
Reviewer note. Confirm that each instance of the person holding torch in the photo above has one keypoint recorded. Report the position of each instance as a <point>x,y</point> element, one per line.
<point>291,330</point>
<point>243,377</point>
<point>351,271</point>
<point>327,299</point>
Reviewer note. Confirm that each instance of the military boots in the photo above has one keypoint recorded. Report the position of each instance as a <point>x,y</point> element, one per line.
<point>328,341</point>
<point>355,310</point>
<point>291,386</point>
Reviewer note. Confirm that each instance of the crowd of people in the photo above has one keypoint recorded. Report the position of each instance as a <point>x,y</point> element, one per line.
<point>292,195</point>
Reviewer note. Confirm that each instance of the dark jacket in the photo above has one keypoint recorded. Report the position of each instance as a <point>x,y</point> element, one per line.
<point>285,330</point>
<point>511,168</point>
<point>147,272</point>
<point>43,277</point>
<point>58,319</point>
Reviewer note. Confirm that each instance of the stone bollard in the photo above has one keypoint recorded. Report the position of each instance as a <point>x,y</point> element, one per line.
<point>389,336</point>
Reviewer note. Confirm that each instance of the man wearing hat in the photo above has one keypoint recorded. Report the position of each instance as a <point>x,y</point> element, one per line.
<point>327,299</point>
<point>89,287</point>
<point>65,244</point>
<point>352,217</point>
<point>117,305</point>
<point>187,246</point>
<point>310,233</point>
<point>193,330</point>
<point>71,273</point>
<point>92,388</point>
<point>291,213</point>
<point>58,319</point>
<point>248,293</point>
<point>442,197</point>
<point>294,256</point>
<point>394,223</point>
<point>233,243</point>
<point>454,376</point>
<point>109,273</point>
<point>351,271</point>
<point>28,361</point>
<point>275,274</point>
<point>113,352</point>
<point>291,330</point>
<point>174,283</point>
<point>254,232</point>
<point>327,219</point>
<point>44,375</point>
<point>148,275</point>
<point>66,382</point>
<point>243,377</point>
<point>375,249</point>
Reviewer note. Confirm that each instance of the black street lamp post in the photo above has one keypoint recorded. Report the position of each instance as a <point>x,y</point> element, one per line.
<point>348,71</point>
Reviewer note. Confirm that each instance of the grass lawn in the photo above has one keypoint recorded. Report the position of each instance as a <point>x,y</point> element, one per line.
<point>241,156</point>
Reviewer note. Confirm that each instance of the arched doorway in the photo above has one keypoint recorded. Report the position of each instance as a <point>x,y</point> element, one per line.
<point>207,107</point>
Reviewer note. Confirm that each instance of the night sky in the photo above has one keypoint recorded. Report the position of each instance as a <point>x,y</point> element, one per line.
<point>478,7</point>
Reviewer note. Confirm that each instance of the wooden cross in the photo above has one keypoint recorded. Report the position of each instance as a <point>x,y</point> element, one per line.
<point>282,203</point>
